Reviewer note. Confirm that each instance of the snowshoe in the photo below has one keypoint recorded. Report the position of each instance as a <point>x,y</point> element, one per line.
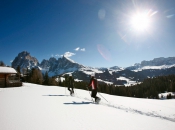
<point>98,100</point>
<point>71,93</point>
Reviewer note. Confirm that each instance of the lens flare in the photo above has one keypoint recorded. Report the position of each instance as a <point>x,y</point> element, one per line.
<point>104,52</point>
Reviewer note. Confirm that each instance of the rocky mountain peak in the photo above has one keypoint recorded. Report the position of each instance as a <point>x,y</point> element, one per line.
<point>52,59</point>
<point>58,66</point>
<point>45,64</point>
<point>114,74</point>
<point>25,60</point>
<point>159,61</point>
<point>67,59</point>
<point>23,53</point>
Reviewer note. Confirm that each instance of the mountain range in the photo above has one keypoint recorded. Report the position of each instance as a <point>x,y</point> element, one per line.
<point>113,75</point>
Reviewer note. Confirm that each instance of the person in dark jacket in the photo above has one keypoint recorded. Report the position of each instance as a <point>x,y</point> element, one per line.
<point>94,84</point>
<point>71,84</point>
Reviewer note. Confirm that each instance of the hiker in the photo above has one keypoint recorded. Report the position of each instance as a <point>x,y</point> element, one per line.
<point>71,84</point>
<point>94,84</point>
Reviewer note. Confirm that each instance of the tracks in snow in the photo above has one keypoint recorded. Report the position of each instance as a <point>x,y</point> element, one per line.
<point>127,109</point>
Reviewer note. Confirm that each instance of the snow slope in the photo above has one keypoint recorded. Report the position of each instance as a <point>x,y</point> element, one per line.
<point>37,107</point>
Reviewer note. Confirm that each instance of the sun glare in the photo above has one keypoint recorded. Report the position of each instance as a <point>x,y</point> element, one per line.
<point>140,21</point>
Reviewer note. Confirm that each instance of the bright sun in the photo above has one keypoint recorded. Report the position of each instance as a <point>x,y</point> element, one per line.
<point>140,21</point>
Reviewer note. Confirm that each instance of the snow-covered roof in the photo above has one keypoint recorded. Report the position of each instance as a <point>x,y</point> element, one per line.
<point>7,70</point>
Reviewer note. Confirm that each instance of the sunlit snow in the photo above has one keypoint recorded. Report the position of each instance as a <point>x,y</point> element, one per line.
<point>38,107</point>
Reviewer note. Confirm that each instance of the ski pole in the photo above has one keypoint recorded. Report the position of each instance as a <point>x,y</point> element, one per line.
<point>102,96</point>
<point>90,94</point>
<point>75,91</point>
<point>65,90</point>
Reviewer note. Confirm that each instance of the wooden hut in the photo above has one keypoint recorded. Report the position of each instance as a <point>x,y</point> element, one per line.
<point>8,77</point>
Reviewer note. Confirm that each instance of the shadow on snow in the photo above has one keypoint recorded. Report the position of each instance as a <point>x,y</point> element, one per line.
<point>78,103</point>
<point>55,95</point>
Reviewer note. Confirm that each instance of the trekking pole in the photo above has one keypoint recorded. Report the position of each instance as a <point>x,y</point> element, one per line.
<point>90,94</point>
<point>74,88</point>
<point>75,91</point>
<point>65,90</point>
<point>102,96</point>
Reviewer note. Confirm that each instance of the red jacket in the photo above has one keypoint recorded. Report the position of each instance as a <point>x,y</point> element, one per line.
<point>93,83</point>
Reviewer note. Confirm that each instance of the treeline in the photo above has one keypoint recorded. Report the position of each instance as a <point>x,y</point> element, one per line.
<point>35,76</point>
<point>149,88</point>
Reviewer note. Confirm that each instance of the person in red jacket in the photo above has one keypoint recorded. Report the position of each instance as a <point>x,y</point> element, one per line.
<point>94,84</point>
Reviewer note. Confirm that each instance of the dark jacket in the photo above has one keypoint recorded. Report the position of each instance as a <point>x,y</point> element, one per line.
<point>71,82</point>
<point>93,83</point>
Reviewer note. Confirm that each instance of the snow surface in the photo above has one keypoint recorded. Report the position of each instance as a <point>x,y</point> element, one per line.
<point>7,70</point>
<point>90,71</point>
<point>165,94</point>
<point>129,82</point>
<point>77,80</point>
<point>69,59</point>
<point>37,107</point>
<point>105,81</point>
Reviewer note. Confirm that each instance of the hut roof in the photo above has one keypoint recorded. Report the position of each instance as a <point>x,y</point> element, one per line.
<point>7,70</point>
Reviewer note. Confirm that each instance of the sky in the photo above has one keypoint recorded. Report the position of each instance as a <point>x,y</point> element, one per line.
<point>52,108</point>
<point>96,33</point>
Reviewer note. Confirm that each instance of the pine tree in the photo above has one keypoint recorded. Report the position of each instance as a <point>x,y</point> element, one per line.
<point>46,79</point>
<point>52,81</point>
<point>27,75</point>
<point>36,76</point>
<point>2,63</point>
<point>18,69</point>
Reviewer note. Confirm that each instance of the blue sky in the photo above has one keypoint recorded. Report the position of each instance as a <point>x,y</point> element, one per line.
<point>97,33</point>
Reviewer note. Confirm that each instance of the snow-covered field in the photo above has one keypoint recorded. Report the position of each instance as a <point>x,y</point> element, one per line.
<point>37,107</point>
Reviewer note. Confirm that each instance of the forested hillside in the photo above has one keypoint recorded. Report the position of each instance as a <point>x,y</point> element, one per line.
<point>149,88</point>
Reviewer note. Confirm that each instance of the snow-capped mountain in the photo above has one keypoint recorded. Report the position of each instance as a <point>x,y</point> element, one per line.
<point>113,75</point>
<point>159,61</point>
<point>156,63</point>
<point>53,66</point>
<point>45,64</point>
<point>60,66</point>
<point>25,60</point>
